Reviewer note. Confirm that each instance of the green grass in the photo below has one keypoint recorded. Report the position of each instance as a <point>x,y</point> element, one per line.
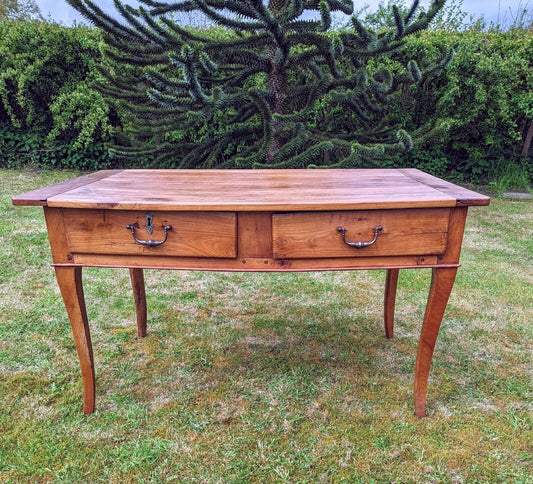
<point>267,377</point>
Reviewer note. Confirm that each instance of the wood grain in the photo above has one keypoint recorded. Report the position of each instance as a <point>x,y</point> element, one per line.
<point>455,234</point>
<point>254,264</point>
<point>139,296</point>
<point>205,234</point>
<point>391,284</point>
<point>57,235</point>
<point>441,286</point>
<point>39,197</point>
<point>463,196</point>
<point>71,287</point>
<point>315,235</point>
<point>253,190</point>
<point>255,234</point>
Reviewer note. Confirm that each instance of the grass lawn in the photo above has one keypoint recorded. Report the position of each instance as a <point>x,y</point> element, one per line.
<point>267,377</point>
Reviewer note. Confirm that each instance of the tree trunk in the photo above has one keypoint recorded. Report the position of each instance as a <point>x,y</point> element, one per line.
<point>277,84</point>
<point>528,140</point>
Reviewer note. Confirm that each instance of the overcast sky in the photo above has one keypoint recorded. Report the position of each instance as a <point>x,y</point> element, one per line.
<point>497,11</point>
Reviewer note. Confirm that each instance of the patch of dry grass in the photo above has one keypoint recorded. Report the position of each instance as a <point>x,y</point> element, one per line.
<point>267,377</point>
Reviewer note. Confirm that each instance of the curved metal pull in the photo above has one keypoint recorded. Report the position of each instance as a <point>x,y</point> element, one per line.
<point>360,245</point>
<point>149,243</point>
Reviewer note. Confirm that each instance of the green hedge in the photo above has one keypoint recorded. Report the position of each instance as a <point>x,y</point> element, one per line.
<point>26,148</point>
<point>51,115</point>
<point>485,94</point>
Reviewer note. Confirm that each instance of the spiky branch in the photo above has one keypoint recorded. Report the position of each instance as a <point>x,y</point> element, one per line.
<point>248,95</point>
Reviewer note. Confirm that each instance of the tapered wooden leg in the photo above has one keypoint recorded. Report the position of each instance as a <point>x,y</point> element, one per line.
<point>71,287</point>
<point>137,282</point>
<point>391,283</point>
<point>442,280</point>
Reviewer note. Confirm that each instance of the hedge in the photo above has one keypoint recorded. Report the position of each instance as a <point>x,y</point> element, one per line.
<point>52,115</point>
<point>486,95</point>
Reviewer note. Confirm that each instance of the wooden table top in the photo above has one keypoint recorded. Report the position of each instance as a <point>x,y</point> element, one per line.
<point>253,190</point>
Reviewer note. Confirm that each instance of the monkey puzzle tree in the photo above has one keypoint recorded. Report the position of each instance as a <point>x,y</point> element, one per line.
<point>273,87</point>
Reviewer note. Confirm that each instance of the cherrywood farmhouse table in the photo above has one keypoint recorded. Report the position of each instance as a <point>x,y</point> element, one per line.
<point>256,220</point>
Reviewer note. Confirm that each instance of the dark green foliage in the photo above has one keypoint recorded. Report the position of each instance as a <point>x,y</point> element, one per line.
<point>25,148</point>
<point>468,121</point>
<point>39,64</point>
<point>47,105</point>
<point>247,94</point>
<point>486,97</point>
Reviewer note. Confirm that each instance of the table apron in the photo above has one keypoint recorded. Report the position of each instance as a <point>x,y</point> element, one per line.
<point>258,265</point>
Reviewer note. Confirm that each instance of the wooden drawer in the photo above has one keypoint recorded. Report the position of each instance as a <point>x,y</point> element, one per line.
<point>316,234</point>
<point>193,234</point>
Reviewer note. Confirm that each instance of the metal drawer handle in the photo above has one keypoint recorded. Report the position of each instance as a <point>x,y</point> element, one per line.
<point>360,245</point>
<point>149,243</point>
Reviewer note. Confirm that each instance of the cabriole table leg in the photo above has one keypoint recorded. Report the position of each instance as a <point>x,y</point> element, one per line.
<point>71,287</point>
<point>391,283</point>
<point>442,280</point>
<point>137,283</point>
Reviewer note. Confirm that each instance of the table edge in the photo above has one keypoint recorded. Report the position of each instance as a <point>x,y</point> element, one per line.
<point>40,196</point>
<point>455,196</point>
<point>463,196</point>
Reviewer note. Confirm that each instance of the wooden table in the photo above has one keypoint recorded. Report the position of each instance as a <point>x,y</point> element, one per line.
<point>256,220</point>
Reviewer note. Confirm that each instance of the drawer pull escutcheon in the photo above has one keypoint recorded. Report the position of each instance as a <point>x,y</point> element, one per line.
<point>149,243</point>
<point>360,245</point>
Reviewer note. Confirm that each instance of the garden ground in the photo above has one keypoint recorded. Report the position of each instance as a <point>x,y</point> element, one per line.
<point>267,377</point>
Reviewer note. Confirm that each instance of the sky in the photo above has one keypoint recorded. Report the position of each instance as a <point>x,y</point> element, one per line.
<point>497,11</point>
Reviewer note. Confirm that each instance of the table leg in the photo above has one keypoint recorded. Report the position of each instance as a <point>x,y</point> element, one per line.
<point>71,287</point>
<point>391,283</point>
<point>442,280</point>
<point>137,282</point>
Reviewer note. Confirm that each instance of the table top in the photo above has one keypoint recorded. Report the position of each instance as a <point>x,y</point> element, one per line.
<point>253,190</point>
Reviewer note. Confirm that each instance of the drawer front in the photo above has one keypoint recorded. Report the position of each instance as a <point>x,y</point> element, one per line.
<point>193,234</point>
<point>316,234</point>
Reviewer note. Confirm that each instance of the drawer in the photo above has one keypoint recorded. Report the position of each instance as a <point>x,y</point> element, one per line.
<point>316,234</point>
<point>193,234</point>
